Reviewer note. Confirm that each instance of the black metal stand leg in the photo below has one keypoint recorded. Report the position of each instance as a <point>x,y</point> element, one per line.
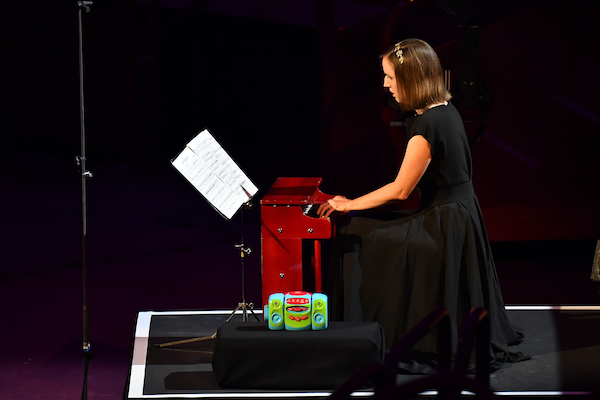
<point>244,251</point>
<point>243,305</point>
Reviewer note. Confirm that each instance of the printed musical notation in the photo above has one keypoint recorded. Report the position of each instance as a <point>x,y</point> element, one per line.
<point>208,167</point>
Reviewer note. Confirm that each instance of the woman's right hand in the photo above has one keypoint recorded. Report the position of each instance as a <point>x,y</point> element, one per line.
<point>338,203</point>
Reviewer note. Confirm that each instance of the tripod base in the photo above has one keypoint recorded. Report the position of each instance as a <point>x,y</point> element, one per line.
<point>241,306</point>
<point>244,307</point>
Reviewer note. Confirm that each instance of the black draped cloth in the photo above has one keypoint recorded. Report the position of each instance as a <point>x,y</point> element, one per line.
<point>395,267</point>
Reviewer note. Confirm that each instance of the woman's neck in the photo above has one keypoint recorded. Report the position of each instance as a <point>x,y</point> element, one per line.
<point>422,110</point>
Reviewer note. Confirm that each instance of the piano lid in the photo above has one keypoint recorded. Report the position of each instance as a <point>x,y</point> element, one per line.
<point>293,191</point>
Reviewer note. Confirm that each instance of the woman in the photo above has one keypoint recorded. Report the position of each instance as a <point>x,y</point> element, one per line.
<point>394,269</point>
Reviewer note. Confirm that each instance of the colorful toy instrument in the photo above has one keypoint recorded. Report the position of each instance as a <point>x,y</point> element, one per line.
<point>297,310</point>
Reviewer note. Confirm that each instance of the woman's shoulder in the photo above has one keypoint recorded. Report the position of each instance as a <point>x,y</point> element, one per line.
<point>439,115</point>
<point>436,123</point>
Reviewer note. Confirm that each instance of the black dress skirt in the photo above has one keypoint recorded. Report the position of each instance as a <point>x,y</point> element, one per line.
<point>395,267</point>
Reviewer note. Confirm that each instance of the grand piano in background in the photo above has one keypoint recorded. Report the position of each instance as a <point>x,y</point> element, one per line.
<point>291,235</point>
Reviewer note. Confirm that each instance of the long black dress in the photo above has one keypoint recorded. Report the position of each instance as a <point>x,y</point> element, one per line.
<point>394,268</point>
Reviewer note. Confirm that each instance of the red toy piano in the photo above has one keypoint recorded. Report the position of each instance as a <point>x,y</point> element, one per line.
<point>290,236</point>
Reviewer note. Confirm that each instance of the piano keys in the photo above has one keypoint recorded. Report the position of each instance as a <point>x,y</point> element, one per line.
<point>291,235</point>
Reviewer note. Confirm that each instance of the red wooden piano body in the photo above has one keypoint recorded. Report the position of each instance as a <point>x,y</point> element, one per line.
<point>290,238</point>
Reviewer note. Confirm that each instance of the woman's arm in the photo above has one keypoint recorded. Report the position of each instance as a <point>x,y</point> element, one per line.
<point>415,163</point>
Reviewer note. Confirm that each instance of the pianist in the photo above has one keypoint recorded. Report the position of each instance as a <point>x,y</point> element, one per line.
<point>395,271</point>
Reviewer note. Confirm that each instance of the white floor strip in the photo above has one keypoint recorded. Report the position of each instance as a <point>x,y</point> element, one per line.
<point>555,307</point>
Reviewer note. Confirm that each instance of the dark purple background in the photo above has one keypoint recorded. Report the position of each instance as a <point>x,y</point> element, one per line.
<point>287,93</point>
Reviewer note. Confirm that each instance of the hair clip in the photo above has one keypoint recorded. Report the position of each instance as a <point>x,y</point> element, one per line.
<point>399,53</point>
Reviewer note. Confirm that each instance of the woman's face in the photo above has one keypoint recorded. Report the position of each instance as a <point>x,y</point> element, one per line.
<point>389,78</point>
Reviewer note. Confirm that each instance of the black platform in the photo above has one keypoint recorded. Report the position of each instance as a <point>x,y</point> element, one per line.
<point>248,355</point>
<point>564,343</point>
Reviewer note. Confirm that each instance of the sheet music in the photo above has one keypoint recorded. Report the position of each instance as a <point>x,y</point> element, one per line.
<point>208,167</point>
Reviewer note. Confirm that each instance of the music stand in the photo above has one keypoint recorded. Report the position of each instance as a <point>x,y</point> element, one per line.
<point>208,167</point>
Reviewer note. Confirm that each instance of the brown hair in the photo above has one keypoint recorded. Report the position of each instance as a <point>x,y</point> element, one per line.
<point>419,74</point>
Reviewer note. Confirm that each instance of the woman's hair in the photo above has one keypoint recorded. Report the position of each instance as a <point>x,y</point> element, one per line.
<point>419,74</point>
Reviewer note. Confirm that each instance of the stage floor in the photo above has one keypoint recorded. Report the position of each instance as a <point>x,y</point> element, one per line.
<point>562,340</point>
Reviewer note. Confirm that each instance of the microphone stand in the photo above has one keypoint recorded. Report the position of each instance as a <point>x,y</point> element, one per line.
<point>85,175</point>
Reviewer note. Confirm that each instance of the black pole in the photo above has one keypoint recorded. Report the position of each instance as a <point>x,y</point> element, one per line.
<point>85,174</point>
<point>243,252</point>
<point>244,311</point>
